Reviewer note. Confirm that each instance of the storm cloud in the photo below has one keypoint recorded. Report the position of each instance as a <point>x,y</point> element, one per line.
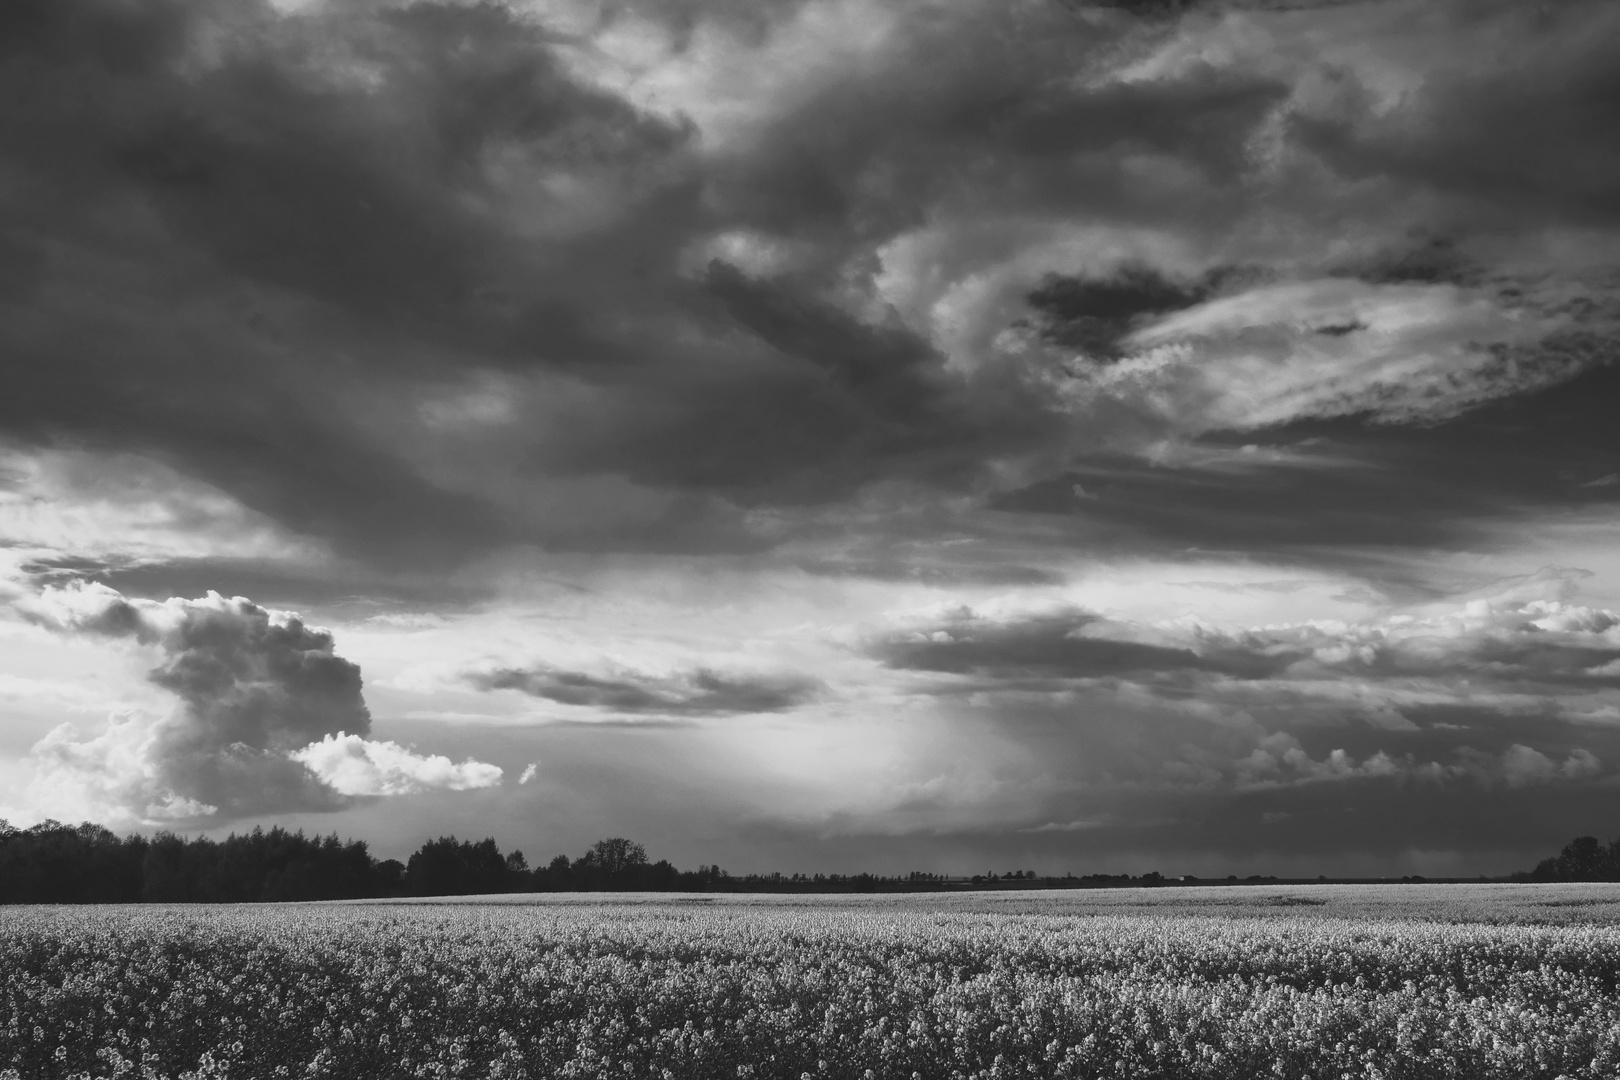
<point>780,301</point>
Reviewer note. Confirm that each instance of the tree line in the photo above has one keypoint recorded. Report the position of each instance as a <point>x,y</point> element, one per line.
<point>53,863</point>
<point>1585,858</point>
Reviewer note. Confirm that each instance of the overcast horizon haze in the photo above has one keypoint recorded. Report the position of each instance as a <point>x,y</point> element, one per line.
<point>817,435</point>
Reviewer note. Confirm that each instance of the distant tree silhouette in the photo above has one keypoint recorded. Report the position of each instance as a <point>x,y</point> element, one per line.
<point>1585,858</point>
<point>614,856</point>
<point>555,876</point>
<point>448,867</point>
<point>56,863</point>
<point>389,877</point>
<point>173,870</point>
<point>53,863</point>
<point>616,865</point>
<point>519,878</point>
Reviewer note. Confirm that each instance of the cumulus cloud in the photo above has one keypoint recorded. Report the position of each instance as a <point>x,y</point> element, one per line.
<point>268,717</point>
<point>1280,761</point>
<point>352,765</point>
<point>1522,765</point>
<point>694,693</point>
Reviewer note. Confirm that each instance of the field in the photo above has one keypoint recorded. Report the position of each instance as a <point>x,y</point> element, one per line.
<point>1475,982</point>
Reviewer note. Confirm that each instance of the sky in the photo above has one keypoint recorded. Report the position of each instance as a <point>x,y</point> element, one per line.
<point>817,435</point>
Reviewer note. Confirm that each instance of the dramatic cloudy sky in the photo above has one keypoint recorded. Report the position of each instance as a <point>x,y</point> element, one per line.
<point>817,434</point>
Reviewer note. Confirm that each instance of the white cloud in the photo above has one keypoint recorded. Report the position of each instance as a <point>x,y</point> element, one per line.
<point>359,767</point>
<point>113,778</point>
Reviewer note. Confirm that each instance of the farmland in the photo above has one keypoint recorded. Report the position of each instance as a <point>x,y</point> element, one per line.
<point>1501,981</point>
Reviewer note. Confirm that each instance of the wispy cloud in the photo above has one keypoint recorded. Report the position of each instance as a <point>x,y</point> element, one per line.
<point>693,693</point>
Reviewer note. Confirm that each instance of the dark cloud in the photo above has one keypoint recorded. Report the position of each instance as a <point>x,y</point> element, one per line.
<point>290,210</point>
<point>1430,262</point>
<point>1523,137</point>
<point>268,684</point>
<point>339,201</point>
<point>251,244</point>
<point>1351,482</point>
<point>1148,8</point>
<point>1095,314</point>
<point>695,693</point>
<point>320,186</point>
<point>890,369</point>
<point>1074,644</point>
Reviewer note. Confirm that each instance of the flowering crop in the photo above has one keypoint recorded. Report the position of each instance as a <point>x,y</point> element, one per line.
<point>665,989</point>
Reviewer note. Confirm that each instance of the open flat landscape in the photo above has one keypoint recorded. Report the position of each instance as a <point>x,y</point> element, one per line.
<point>1466,981</point>
<point>809,539</point>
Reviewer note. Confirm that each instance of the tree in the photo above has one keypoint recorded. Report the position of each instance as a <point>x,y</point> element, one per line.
<point>1584,858</point>
<point>451,867</point>
<point>614,855</point>
<point>389,876</point>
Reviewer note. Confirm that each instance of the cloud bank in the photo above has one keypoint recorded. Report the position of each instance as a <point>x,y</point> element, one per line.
<point>1440,694</point>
